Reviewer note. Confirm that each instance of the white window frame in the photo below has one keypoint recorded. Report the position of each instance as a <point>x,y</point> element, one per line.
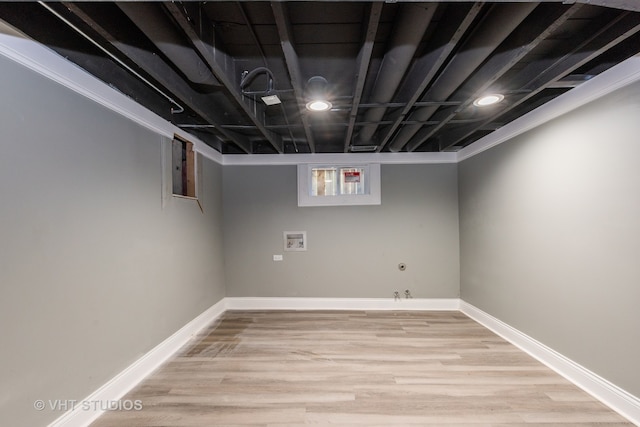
<point>371,197</point>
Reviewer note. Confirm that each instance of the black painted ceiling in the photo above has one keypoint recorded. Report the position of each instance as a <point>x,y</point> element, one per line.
<point>401,76</point>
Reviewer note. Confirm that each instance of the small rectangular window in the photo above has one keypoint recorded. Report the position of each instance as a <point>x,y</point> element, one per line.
<point>335,181</point>
<point>183,168</point>
<point>352,181</point>
<point>335,185</point>
<point>323,182</point>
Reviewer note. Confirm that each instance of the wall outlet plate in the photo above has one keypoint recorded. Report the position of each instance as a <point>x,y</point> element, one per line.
<point>295,240</point>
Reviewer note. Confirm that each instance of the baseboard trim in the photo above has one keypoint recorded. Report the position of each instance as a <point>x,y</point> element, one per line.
<point>616,398</point>
<point>241,303</point>
<point>611,395</point>
<point>126,380</point>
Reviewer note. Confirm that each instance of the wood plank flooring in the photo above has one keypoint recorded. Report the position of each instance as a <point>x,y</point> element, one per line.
<point>288,368</point>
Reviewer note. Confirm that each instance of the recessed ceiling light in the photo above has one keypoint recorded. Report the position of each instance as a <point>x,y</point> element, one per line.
<point>271,99</point>
<point>491,99</point>
<point>318,105</point>
<point>316,92</point>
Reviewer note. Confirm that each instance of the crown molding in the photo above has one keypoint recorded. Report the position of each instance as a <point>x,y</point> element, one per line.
<point>617,77</point>
<point>35,56</point>
<point>21,49</point>
<point>338,158</point>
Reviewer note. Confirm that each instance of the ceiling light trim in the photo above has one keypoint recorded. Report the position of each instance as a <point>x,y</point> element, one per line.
<point>488,100</point>
<point>317,94</point>
<point>319,105</point>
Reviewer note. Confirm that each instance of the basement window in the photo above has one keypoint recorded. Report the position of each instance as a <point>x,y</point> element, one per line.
<point>183,168</point>
<point>338,185</point>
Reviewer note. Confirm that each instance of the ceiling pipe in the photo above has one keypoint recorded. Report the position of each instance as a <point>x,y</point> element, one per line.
<point>502,20</point>
<point>178,110</point>
<point>407,35</point>
<point>150,19</point>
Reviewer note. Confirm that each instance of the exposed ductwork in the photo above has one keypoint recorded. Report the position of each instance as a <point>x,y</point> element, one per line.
<point>496,27</point>
<point>406,73</point>
<point>150,19</point>
<point>408,34</point>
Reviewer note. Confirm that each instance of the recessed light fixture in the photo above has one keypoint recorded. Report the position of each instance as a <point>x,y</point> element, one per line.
<point>319,105</point>
<point>317,94</point>
<point>491,99</point>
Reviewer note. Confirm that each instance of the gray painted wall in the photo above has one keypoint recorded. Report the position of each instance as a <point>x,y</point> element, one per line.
<point>94,272</point>
<point>550,235</point>
<point>353,251</point>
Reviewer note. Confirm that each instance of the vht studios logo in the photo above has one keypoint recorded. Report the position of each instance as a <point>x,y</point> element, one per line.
<point>88,405</point>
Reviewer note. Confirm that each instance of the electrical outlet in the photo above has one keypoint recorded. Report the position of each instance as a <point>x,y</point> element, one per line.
<point>277,257</point>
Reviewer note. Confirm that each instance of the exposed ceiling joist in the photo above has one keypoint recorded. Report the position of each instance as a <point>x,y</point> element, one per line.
<point>155,67</point>
<point>221,65</point>
<point>363,61</point>
<point>429,65</point>
<point>402,76</point>
<point>511,52</point>
<point>623,27</point>
<point>495,26</point>
<point>293,65</point>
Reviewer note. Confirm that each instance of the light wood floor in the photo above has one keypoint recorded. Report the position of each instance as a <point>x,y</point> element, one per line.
<point>288,368</point>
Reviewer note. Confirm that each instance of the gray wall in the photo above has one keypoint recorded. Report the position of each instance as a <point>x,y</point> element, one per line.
<point>353,251</point>
<point>94,272</point>
<point>550,235</point>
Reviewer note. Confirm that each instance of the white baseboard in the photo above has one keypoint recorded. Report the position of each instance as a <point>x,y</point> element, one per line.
<point>126,380</point>
<point>619,400</point>
<point>611,395</point>
<point>240,303</point>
